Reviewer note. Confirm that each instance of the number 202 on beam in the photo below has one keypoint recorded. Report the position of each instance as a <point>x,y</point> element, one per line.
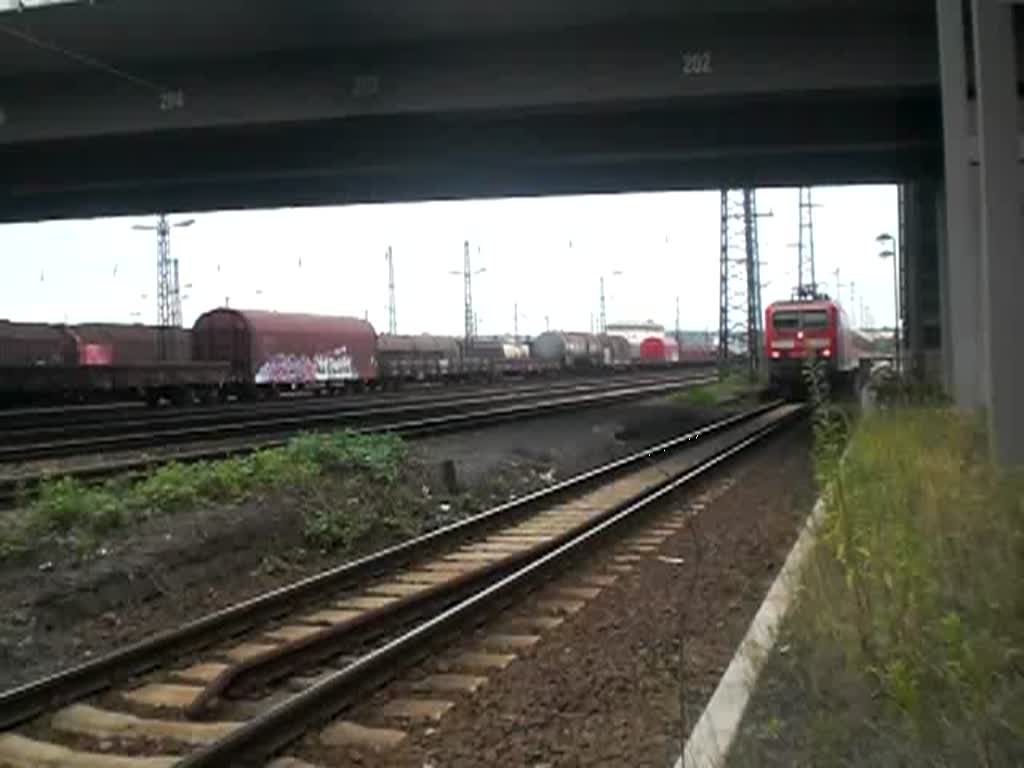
<point>697,63</point>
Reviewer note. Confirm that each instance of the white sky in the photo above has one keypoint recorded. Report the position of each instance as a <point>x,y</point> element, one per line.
<point>666,244</point>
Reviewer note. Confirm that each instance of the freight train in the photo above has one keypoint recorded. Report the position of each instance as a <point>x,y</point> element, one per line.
<point>254,353</point>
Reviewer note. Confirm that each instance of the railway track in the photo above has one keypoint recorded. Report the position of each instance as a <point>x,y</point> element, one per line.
<point>242,685</point>
<point>163,428</point>
<point>35,423</point>
<point>417,420</point>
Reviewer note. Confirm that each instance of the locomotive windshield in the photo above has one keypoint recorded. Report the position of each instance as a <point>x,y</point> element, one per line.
<point>793,320</point>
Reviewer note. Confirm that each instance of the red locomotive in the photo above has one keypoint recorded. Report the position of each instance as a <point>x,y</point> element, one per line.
<point>800,330</point>
<point>659,349</point>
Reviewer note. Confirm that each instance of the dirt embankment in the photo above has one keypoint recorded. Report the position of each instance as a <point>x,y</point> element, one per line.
<point>59,607</point>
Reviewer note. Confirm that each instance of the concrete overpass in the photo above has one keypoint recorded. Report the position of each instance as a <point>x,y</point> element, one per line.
<point>125,107</point>
<point>114,106</point>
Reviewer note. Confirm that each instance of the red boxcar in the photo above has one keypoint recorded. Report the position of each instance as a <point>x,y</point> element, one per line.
<point>284,350</point>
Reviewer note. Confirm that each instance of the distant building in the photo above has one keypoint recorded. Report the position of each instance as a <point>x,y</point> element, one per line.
<point>635,333</point>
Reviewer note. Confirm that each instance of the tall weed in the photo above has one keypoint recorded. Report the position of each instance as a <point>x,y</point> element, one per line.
<point>915,596</point>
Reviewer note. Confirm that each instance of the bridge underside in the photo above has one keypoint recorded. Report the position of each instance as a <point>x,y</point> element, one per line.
<point>707,143</point>
<point>227,104</point>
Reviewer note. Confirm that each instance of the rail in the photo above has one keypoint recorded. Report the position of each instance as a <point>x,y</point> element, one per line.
<point>25,702</point>
<point>272,731</point>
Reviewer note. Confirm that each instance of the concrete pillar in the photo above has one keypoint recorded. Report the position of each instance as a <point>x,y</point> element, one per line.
<point>921,313</point>
<point>946,351</point>
<point>1002,268</point>
<point>974,234</point>
<point>963,267</point>
<point>902,261</point>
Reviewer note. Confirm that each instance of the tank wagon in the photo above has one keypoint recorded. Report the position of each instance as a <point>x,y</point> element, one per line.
<point>273,351</point>
<point>568,349</point>
<point>498,356</point>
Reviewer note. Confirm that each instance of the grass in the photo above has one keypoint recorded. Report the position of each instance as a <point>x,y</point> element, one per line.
<point>734,385</point>
<point>322,468</point>
<point>906,644</point>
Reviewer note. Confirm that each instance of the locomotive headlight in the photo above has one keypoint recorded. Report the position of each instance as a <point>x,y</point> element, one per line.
<point>776,354</point>
<point>826,353</point>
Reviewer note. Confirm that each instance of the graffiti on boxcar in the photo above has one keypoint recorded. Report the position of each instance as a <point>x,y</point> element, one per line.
<point>336,365</point>
<point>286,369</point>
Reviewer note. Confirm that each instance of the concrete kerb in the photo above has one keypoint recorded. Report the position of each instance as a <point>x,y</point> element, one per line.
<point>713,735</point>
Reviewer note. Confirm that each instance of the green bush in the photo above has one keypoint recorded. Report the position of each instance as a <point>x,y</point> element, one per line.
<point>380,455</point>
<point>168,488</point>
<point>359,511</point>
<point>365,464</point>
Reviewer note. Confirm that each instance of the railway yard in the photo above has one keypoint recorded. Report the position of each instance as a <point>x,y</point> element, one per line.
<point>127,441</point>
<point>533,385</point>
<point>539,573</point>
<point>264,537</point>
<point>318,545</point>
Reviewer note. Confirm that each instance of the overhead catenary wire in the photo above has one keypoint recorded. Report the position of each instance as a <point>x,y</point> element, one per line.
<point>84,59</point>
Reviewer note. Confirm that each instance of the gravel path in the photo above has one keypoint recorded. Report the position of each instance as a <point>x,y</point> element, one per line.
<point>611,684</point>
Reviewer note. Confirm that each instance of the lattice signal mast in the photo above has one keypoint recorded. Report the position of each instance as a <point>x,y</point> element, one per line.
<point>168,286</point>
<point>739,309</point>
<point>392,321</point>
<point>807,282</point>
<point>467,275</point>
<point>755,326</point>
<point>603,327</point>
